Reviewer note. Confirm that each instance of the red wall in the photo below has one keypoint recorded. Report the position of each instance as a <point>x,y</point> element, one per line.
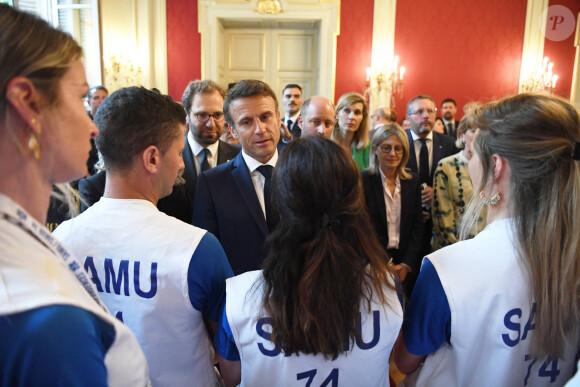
<point>562,53</point>
<point>469,51</point>
<point>353,46</point>
<point>183,46</point>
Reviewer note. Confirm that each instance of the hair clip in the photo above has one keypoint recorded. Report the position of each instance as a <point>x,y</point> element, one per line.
<point>329,222</point>
<point>576,151</point>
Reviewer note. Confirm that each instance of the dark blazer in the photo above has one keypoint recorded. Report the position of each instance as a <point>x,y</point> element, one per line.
<point>411,227</point>
<point>443,146</point>
<point>296,130</point>
<point>226,205</point>
<point>180,203</point>
<point>453,134</point>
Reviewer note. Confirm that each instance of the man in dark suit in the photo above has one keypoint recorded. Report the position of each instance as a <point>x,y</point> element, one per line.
<point>448,111</point>
<point>426,148</point>
<point>292,103</point>
<point>203,102</point>
<point>232,200</point>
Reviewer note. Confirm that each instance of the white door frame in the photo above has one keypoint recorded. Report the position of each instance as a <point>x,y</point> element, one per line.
<point>326,14</point>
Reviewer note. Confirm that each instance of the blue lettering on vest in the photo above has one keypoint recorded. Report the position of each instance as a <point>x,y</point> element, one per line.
<point>376,331</point>
<point>90,268</point>
<point>122,279</point>
<point>267,336</point>
<point>530,324</point>
<point>513,326</point>
<point>152,277</point>
<point>119,316</point>
<point>512,321</point>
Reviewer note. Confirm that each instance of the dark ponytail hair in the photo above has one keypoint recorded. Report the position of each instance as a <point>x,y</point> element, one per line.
<point>323,257</point>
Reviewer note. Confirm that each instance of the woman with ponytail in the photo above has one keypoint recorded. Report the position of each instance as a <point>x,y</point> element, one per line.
<point>324,310</point>
<point>503,308</point>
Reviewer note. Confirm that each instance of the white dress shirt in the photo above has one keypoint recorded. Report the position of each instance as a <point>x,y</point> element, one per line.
<point>393,205</point>
<point>417,145</point>
<point>257,178</point>
<point>197,151</point>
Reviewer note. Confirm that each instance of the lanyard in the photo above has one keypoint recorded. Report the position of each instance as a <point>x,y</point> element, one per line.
<point>13,213</point>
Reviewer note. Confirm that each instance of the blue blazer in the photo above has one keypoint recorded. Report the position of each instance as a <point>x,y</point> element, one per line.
<point>226,205</point>
<point>443,146</point>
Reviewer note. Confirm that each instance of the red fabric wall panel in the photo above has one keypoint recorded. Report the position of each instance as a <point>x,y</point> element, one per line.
<point>353,46</point>
<point>469,51</point>
<point>183,46</point>
<point>562,52</point>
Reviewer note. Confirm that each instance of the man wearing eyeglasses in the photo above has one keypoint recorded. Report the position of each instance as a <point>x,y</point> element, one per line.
<point>425,150</point>
<point>203,101</point>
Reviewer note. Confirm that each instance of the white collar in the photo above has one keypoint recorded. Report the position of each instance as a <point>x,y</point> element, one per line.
<point>252,163</point>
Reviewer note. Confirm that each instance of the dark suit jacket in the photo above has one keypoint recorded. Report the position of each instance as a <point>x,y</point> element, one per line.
<point>226,205</point>
<point>443,146</point>
<point>296,130</point>
<point>454,133</point>
<point>180,203</point>
<point>411,226</point>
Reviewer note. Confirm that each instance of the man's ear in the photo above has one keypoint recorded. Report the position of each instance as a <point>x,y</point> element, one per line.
<point>151,157</point>
<point>232,131</point>
<point>24,98</point>
<point>300,121</point>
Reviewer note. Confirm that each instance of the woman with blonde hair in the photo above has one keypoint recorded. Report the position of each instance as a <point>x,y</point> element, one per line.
<point>452,190</point>
<point>323,310</point>
<point>514,289</point>
<point>351,129</point>
<point>55,329</point>
<point>393,200</point>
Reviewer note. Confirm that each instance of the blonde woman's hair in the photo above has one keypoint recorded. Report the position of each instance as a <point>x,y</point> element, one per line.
<point>360,139</point>
<point>381,134</point>
<point>536,134</point>
<point>31,48</point>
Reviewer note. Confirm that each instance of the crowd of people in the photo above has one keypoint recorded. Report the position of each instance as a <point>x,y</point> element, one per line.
<point>304,248</point>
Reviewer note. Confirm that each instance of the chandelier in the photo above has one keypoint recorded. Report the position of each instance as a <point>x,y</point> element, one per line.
<point>383,83</point>
<point>541,80</point>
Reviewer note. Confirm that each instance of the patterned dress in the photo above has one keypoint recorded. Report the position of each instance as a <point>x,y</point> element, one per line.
<point>452,190</point>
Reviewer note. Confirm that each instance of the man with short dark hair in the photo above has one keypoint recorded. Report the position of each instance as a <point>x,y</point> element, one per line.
<point>203,102</point>
<point>292,103</point>
<point>232,200</point>
<point>448,111</point>
<point>162,277</point>
<point>317,117</point>
<point>95,97</point>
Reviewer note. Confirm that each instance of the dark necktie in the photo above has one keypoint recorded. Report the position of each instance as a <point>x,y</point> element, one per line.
<point>266,171</point>
<point>204,160</point>
<point>423,162</point>
<point>289,126</point>
<point>450,130</point>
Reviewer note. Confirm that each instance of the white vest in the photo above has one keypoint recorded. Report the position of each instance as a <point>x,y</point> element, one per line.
<point>491,319</point>
<point>262,365</point>
<point>33,277</point>
<point>138,258</point>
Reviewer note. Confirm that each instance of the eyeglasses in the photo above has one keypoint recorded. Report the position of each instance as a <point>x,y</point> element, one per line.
<point>388,148</point>
<point>421,111</point>
<point>204,117</point>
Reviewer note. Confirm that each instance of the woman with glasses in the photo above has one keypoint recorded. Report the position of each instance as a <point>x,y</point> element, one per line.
<point>393,199</point>
<point>452,190</point>
<point>351,129</point>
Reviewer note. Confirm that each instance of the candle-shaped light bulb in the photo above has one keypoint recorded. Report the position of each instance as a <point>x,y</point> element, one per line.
<point>554,80</point>
<point>402,72</point>
<point>368,74</point>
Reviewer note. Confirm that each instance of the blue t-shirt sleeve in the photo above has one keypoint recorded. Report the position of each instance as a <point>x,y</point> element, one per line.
<point>223,341</point>
<point>206,276</point>
<point>427,323</point>
<point>57,345</point>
